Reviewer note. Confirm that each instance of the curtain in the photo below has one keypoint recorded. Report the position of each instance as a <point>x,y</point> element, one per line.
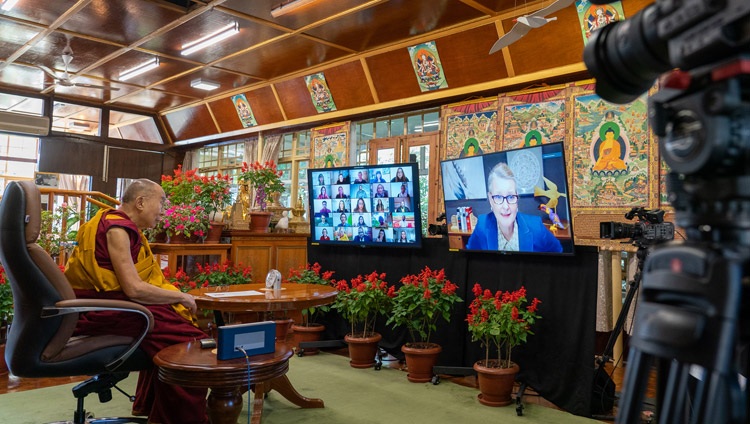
<point>271,146</point>
<point>191,160</point>
<point>74,182</point>
<point>604,292</point>
<point>251,150</point>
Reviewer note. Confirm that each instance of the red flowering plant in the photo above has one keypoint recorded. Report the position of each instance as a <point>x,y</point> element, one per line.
<point>210,275</point>
<point>420,301</point>
<point>311,274</point>
<point>224,274</point>
<point>264,178</point>
<point>189,188</point>
<point>502,321</point>
<point>362,301</point>
<point>6,300</point>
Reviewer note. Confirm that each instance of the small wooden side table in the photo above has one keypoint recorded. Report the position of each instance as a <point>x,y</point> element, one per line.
<point>187,364</point>
<point>172,251</point>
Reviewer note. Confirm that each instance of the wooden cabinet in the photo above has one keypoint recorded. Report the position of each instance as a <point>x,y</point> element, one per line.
<point>265,251</point>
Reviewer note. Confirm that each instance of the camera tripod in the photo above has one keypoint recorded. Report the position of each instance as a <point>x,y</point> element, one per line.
<point>689,315</point>
<point>603,393</point>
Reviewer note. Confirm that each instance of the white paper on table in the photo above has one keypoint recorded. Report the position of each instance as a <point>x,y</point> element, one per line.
<point>234,294</point>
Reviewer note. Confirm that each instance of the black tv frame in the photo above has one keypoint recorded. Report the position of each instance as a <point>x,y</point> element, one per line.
<point>392,219</point>
<point>548,158</point>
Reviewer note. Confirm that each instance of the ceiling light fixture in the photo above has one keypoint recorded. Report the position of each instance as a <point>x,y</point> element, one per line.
<point>289,7</point>
<point>210,39</point>
<point>204,84</point>
<point>8,4</point>
<point>143,67</point>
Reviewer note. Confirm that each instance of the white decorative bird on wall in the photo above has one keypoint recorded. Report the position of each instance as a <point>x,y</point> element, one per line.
<point>525,23</point>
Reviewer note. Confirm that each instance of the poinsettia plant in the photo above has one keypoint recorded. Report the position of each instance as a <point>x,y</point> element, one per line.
<point>222,274</point>
<point>420,301</point>
<point>214,194</point>
<point>311,274</point>
<point>501,320</point>
<point>264,178</point>
<point>362,300</point>
<point>210,275</point>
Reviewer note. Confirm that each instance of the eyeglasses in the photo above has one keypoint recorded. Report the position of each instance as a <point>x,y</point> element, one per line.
<point>512,199</point>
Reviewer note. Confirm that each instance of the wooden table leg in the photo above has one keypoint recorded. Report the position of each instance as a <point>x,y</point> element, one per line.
<point>224,405</point>
<point>259,394</point>
<point>285,388</point>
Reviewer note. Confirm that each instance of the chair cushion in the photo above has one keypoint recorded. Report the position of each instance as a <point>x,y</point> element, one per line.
<point>33,210</point>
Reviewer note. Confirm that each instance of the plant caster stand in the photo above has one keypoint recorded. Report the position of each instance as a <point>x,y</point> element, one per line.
<point>318,345</point>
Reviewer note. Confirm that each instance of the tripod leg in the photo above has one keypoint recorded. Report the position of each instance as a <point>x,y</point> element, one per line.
<point>636,378</point>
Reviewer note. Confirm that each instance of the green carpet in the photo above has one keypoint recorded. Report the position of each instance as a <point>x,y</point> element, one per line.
<point>350,396</point>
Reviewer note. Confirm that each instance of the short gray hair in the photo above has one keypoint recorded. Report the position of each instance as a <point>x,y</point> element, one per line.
<point>139,187</point>
<point>500,170</point>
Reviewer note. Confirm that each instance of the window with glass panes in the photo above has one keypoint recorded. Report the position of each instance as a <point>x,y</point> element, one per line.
<point>392,126</point>
<point>223,158</point>
<point>294,160</point>
<point>18,156</point>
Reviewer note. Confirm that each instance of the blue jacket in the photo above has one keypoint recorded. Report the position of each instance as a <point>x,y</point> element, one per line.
<point>533,236</point>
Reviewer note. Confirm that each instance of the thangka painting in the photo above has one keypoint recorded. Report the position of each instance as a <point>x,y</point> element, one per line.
<point>533,124</point>
<point>244,112</point>
<point>329,146</point>
<point>319,92</point>
<point>594,16</point>
<point>611,152</point>
<point>427,66</point>
<point>471,128</point>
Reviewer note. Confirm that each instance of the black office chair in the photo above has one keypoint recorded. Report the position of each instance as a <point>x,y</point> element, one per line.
<point>40,341</point>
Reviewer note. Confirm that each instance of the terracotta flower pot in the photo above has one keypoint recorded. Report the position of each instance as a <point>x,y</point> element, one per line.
<point>420,359</point>
<point>214,232</point>
<point>495,384</point>
<point>362,350</point>
<point>282,328</point>
<point>259,221</point>
<point>310,333</point>
<point>181,239</point>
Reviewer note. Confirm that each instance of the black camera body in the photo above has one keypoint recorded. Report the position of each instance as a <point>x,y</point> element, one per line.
<point>650,228</point>
<point>438,229</point>
<point>626,57</point>
<point>694,293</point>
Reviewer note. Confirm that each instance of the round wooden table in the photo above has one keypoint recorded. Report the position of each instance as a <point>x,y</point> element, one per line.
<point>189,365</point>
<point>291,296</point>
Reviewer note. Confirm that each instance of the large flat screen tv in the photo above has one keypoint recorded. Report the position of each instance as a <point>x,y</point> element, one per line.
<point>373,205</point>
<point>515,201</point>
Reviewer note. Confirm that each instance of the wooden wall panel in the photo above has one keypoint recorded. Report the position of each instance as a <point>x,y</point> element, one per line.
<point>393,75</point>
<point>556,44</point>
<point>295,98</point>
<point>67,156</point>
<point>120,164</point>
<point>226,115</point>
<point>264,105</point>
<point>348,85</point>
<point>190,123</point>
<point>466,59</point>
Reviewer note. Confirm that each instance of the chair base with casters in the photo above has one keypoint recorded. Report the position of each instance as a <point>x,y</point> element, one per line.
<point>41,341</point>
<point>102,385</point>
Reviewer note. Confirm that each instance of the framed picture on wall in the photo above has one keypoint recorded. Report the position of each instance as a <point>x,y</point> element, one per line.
<point>47,179</point>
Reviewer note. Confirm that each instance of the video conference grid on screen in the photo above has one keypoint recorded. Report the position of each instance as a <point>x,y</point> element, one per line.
<point>368,205</point>
<point>526,209</point>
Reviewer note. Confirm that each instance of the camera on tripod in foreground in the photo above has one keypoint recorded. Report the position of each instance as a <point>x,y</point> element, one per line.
<point>649,229</point>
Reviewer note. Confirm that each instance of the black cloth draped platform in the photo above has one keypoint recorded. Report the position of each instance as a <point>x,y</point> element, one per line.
<point>557,362</point>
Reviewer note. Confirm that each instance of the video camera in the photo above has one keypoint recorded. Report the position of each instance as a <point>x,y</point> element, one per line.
<point>438,229</point>
<point>696,289</point>
<point>649,229</point>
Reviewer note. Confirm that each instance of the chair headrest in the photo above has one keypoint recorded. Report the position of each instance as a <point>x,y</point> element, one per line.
<point>33,211</point>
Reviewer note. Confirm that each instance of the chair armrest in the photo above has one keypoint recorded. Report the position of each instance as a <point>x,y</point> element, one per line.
<point>74,306</point>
